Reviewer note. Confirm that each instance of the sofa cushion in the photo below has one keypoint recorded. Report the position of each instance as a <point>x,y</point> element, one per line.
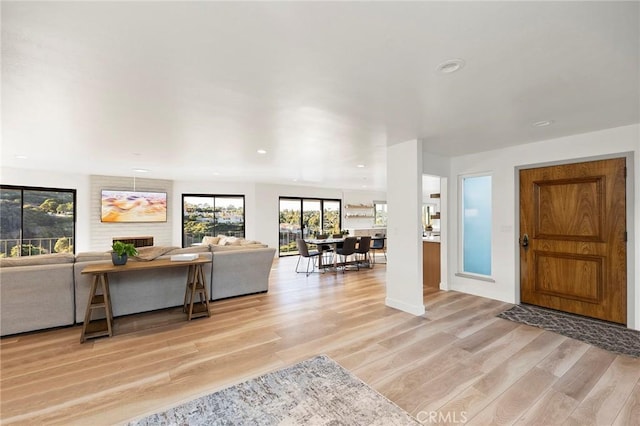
<point>229,241</point>
<point>210,240</point>
<point>90,256</point>
<point>42,259</point>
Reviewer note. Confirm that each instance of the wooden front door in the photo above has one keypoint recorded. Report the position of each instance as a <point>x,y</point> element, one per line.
<point>573,249</point>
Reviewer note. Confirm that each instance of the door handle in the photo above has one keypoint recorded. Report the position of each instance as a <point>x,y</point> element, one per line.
<point>525,241</point>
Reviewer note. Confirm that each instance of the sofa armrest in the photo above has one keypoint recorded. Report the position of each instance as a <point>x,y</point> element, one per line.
<point>240,272</point>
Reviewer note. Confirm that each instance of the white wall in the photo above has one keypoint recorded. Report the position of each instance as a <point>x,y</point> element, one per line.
<point>262,210</point>
<point>102,233</point>
<point>261,202</point>
<point>502,164</point>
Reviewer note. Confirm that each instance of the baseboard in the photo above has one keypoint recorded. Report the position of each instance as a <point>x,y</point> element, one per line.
<point>416,310</point>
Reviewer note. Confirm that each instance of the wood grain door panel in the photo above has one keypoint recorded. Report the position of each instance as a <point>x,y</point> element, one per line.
<point>575,218</point>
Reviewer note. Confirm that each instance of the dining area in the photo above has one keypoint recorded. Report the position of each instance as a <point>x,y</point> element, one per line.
<point>337,252</point>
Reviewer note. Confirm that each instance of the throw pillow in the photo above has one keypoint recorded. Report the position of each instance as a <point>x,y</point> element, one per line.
<point>210,240</point>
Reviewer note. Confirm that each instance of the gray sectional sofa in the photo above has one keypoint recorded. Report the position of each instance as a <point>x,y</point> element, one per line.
<point>47,291</point>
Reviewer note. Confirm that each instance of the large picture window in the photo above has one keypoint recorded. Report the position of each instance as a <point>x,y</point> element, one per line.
<point>36,221</point>
<point>476,224</point>
<point>304,218</point>
<point>211,215</point>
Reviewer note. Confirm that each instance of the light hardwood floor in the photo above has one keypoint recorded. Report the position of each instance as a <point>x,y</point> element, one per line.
<point>458,363</point>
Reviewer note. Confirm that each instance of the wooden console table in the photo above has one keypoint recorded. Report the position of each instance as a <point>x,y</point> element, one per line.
<point>104,327</point>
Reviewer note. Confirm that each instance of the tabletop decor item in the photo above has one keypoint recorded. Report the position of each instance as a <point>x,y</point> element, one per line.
<point>121,252</point>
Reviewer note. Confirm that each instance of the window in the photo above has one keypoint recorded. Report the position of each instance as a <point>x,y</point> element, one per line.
<point>476,224</point>
<point>305,217</point>
<point>380,213</point>
<point>211,215</point>
<point>36,220</point>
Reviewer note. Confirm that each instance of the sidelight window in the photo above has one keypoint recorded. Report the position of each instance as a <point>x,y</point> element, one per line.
<point>476,224</point>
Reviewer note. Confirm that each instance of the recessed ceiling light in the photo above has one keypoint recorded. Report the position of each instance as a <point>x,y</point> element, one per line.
<point>262,151</point>
<point>141,170</point>
<point>543,123</point>
<point>360,166</point>
<point>450,66</point>
<point>21,157</point>
<point>216,173</point>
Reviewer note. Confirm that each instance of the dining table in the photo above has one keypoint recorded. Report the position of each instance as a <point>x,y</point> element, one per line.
<point>333,242</point>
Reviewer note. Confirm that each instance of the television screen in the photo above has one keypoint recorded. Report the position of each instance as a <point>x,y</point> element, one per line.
<point>133,206</point>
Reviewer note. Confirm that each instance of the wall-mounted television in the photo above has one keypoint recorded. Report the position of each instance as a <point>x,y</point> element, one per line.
<point>133,206</point>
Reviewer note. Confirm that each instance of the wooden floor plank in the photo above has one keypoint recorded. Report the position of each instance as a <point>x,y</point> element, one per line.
<point>458,361</point>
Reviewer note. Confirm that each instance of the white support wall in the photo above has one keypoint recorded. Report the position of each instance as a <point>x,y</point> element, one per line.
<point>502,164</point>
<point>404,227</point>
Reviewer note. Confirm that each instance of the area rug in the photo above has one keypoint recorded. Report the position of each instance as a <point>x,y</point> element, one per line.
<point>317,391</point>
<point>605,335</point>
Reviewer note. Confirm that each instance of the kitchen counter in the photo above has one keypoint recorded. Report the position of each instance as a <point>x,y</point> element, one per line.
<point>431,263</point>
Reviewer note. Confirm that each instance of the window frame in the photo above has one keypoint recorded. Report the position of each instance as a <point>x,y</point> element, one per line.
<point>22,189</point>
<point>461,232</point>
<point>322,219</point>
<point>214,196</point>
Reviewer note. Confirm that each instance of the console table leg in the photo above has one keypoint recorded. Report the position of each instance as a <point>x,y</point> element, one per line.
<point>107,303</point>
<point>196,285</point>
<point>97,328</point>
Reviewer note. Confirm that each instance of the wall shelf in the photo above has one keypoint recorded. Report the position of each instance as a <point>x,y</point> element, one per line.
<point>358,211</point>
<point>358,206</point>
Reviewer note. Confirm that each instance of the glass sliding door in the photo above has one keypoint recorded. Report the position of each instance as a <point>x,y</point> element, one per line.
<point>229,213</point>
<point>305,218</point>
<point>311,216</point>
<point>331,217</point>
<point>290,225</point>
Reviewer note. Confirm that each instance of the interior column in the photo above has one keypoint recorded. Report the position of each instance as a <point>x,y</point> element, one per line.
<point>404,227</point>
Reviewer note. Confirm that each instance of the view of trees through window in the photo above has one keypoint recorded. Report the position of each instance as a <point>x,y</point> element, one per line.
<point>211,215</point>
<point>305,218</point>
<point>380,213</point>
<point>36,221</point>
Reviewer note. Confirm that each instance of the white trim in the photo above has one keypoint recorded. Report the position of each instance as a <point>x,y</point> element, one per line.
<point>412,309</point>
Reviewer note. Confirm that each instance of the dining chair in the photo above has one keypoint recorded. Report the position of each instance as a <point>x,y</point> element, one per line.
<point>338,245</point>
<point>348,248</point>
<point>362,251</point>
<point>303,251</point>
<point>325,249</point>
<point>378,243</point>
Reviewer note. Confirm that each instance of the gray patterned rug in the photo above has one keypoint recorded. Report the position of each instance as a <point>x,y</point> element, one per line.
<point>317,391</point>
<point>612,337</point>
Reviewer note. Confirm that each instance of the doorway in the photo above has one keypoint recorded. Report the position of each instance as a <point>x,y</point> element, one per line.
<point>573,238</point>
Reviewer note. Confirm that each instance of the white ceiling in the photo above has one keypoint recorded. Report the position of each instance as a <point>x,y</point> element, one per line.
<point>191,90</point>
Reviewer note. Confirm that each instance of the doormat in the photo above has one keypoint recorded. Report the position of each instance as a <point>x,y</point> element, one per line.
<point>317,391</point>
<point>609,336</point>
